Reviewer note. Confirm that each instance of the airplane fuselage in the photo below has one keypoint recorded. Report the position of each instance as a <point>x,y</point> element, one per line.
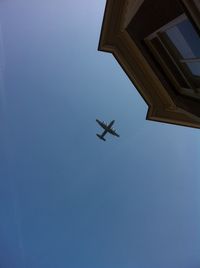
<point>107,129</point>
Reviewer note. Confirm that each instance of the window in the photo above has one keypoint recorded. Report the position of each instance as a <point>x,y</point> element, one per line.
<point>176,46</point>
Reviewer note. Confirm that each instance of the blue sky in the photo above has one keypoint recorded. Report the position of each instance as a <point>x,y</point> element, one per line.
<point>68,199</point>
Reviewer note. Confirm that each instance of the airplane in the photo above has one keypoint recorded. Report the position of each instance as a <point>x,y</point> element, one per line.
<point>107,129</point>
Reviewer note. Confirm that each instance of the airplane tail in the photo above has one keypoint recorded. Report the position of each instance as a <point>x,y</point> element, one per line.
<point>100,137</point>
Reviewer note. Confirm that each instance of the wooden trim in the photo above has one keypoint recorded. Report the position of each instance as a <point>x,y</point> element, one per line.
<point>190,60</point>
<point>132,7</point>
<point>162,62</point>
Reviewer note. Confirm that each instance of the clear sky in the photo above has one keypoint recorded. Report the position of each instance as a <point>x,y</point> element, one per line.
<point>67,199</point>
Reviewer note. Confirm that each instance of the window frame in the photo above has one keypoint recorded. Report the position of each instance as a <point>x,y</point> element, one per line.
<point>191,82</point>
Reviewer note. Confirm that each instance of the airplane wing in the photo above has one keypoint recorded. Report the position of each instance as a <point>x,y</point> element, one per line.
<point>104,133</point>
<point>113,132</point>
<point>101,124</point>
<point>107,128</point>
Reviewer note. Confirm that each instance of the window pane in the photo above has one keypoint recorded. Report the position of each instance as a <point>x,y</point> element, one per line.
<point>179,42</point>
<point>185,39</point>
<point>194,68</point>
<point>191,36</point>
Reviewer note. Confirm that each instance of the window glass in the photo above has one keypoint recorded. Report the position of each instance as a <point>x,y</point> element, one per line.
<point>194,68</point>
<point>191,36</point>
<point>186,39</point>
<point>179,42</point>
